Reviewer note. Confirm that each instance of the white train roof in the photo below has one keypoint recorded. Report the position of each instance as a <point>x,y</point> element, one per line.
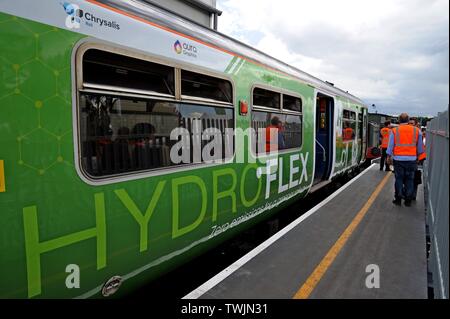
<point>197,31</point>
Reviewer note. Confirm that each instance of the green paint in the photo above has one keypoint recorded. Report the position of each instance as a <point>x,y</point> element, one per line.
<point>34,248</point>
<point>141,219</point>
<point>37,140</point>
<point>240,64</point>
<point>233,60</point>
<point>230,192</point>
<point>245,201</point>
<point>176,183</point>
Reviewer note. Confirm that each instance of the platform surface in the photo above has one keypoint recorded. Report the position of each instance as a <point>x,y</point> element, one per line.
<point>391,237</point>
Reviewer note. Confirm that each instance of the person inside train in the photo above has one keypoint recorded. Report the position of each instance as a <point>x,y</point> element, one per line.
<point>143,134</point>
<point>348,132</point>
<point>274,142</point>
<point>384,142</point>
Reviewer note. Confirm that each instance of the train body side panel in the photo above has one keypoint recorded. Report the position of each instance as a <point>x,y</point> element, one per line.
<point>348,153</point>
<point>51,218</point>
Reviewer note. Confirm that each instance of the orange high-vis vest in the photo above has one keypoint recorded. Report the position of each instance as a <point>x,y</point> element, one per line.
<point>271,145</point>
<point>405,140</point>
<point>424,154</point>
<point>348,133</point>
<point>385,137</point>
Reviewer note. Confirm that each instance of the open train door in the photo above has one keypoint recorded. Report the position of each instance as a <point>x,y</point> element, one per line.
<point>364,135</point>
<point>324,137</point>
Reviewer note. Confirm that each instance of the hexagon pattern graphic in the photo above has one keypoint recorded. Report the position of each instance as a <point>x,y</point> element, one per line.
<point>35,81</point>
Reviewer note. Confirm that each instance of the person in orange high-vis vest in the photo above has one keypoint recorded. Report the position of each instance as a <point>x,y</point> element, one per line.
<point>405,145</point>
<point>423,156</point>
<point>384,142</point>
<point>275,141</point>
<point>347,132</point>
<point>418,173</point>
<point>405,140</point>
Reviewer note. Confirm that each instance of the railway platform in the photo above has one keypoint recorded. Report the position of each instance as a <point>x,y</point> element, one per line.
<point>354,244</point>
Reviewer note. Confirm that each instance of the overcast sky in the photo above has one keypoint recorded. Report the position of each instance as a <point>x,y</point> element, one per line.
<point>391,53</point>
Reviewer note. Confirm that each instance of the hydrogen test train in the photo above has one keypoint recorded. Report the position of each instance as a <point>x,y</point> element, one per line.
<point>90,95</point>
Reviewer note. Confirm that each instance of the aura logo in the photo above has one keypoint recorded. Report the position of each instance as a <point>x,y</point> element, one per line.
<point>74,15</point>
<point>185,48</point>
<point>177,47</point>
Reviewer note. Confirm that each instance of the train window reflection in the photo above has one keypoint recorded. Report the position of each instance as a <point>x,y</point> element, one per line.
<point>106,70</point>
<point>292,103</point>
<point>207,87</point>
<point>288,128</point>
<point>121,135</point>
<point>348,125</point>
<point>266,98</point>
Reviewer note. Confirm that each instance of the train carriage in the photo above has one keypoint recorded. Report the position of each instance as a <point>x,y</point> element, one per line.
<point>109,114</point>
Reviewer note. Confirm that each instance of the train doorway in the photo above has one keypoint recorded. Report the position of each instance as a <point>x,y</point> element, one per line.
<point>324,137</point>
<point>361,136</point>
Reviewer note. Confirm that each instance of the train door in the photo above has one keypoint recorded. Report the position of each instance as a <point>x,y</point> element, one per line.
<point>324,137</point>
<point>364,134</point>
<point>360,136</point>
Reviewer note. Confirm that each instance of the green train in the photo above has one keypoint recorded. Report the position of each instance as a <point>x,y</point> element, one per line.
<point>109,176</point>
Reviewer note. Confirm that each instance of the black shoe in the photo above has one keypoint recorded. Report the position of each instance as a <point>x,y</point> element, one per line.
<point>397,202</point>
<point>413,198</point>
<point>408,203</point>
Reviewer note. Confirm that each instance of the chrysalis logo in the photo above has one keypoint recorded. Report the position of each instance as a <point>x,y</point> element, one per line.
<point>177,47</point>
<point>74,15</point>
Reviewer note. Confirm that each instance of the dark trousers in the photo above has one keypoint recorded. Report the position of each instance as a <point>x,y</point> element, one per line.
<point>404,179</point>
<point>417,182</point>
<point>383,161</point>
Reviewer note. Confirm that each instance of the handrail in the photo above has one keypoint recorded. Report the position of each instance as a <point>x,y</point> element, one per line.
<point>324,158</point>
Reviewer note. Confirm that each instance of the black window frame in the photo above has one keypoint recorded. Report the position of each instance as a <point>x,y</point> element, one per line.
<point>229,99</point>
<point>137,66</point>
<point>279,102</point>
<point>279,110</point>
<point>283,98</point>
<point>176,97</point>
<point>349,116</point>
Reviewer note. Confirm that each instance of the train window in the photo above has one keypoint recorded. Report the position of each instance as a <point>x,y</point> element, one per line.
<point>207,87</point>
<point>292,103</point>
<point>360,126</point>
<point>289,130</point>
<point>126,134</point>
<point>131,120</point>
<point>266,98</point>
<point>288,125</point>
<point>106,70</point>
<point>346,114</point>
<point>348,125</point>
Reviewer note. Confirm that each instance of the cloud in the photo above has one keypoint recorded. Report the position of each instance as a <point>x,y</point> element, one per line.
<point>391,53</point>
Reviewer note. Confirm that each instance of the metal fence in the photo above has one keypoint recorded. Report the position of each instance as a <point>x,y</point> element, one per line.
<point>436,190</point>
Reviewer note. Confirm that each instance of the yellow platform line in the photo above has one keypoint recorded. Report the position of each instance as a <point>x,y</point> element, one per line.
<point>2,177</point>
<point>307,288</point>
